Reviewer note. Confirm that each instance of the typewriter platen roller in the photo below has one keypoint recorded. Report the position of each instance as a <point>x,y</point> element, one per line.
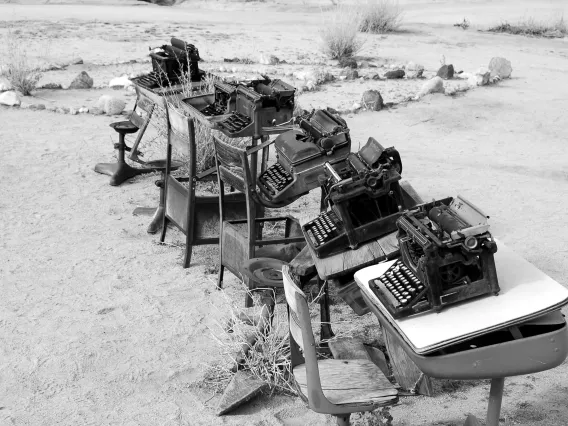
<point>366,201</point>
<point>447,247</point>
<point>301,155</point>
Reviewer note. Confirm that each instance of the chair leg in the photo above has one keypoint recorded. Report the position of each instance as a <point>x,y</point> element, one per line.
<point>220,276</point>
<point>343,419</point>
<point>187,255</point>
<point>164,228</point>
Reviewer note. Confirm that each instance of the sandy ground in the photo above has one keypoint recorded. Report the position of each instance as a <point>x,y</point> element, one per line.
<point>99,325</point>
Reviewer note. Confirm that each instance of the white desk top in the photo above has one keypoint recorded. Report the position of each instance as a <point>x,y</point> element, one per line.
<point>526,293</point>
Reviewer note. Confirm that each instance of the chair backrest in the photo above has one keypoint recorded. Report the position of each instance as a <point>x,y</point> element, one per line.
<point>302,337</point>
<point>181,133</point>
<point>233,166</point>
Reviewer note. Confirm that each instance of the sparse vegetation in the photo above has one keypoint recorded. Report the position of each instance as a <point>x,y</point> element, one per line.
<point>16,66</point>
<point>340,32</point>
<point>553,28</point>
<point>380,16</point>
<point>464,25</point>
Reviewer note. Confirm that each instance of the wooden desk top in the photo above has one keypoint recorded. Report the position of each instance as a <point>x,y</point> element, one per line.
<point>367,254</point>
<point>526,293</point>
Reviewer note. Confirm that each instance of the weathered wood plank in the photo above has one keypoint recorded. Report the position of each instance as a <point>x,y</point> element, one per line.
<point>405,371</point>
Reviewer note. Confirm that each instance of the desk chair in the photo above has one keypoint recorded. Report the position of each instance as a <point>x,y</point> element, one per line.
<point>330,386</point>
<point>236,247</point>
<point>181,206</point>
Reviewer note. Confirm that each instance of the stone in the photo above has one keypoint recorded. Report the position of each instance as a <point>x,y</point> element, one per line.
<point>111,105</point>
<point>40,107</point>
<point>500,67</point>
<point>96,111</point>
<point>434,85</point>
<point>265,59</point>
<point>120,82</point>
<point>243,387</point>
<point>394,74</point>
<point>10,98</point>
<point>364,64</point>
<point>332,110</point>
<point>62,110</point>
<point>355,106</point>
<point>52,86</point>
<point>349,74</point>
<point>347,63</point>
<point>83,110</point>
<point>372,100</point>
<point>446,72</point>
<point>77,61</point>
<point>51,108</point>
<point>479,78</point>
<point>5,85</point>
<point>328,77</point>
<point>375,77</point>
<point>73,111</point>
<point>310,86</point>
<point>414,70</point>
<point>82,81</point>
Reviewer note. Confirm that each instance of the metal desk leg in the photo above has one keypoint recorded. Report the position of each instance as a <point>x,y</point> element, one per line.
<point>325,317</point>
<point>495,399</point>
<point>156,213</point>
<point>494,406</point>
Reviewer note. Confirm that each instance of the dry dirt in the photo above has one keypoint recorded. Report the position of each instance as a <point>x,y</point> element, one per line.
<point>100,325</point>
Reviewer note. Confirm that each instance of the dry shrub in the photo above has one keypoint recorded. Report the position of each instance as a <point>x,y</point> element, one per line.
<point>339,32</point>
<point>16,66</point>
<point>380,16</point>
<point>555,27</point>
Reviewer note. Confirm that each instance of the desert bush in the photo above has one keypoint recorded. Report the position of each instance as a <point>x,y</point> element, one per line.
<point>339,32</point>
<point>555,27</point>
<point>380,16</point>
<point>16,66</point>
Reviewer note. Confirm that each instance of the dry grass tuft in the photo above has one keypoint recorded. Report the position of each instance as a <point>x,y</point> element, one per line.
<point>553,28</point>
<point>16,66</point>
<point>380,16</point>
<point>339,32</point>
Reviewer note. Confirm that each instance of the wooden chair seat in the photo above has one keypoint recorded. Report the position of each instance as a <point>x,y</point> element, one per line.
<point>356,381</point>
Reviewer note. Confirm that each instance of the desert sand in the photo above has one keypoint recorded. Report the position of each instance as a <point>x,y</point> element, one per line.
<point>100,325</point>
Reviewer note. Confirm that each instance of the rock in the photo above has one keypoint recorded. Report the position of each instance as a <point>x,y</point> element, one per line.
<point>355,106</point>
<point>446,71</point>
<point>5,85</point>
<point>73,111</point>
<point>82,81</point>
<point>327,77</point>
<point>33,107</point>
<point>53,67</point>
<point>120,82</point>
<point>332,110</point>
<point>265,59</point>
<point>10,98</point>
<point>372,100</point>
<point>40,107</point>
<point>53,86</point>
<point>364,64</point>
<point>241,389</point>
<point>347,63</point>
<point>25,105</point>
<point>500,67</point>
<point>434,85</point>
<point>375,77</point>
<point>51,108</point>
<point>391,75</point>
<point>62,110</point>
<point>96,111</point>
<point>413,70</point>
<point>557,33</point>
<point>111,105</point>
<point>77,61</point>
<point>310,86</point>
<point>479,78</point>
<point>83,110</point>
<point>350,74</point>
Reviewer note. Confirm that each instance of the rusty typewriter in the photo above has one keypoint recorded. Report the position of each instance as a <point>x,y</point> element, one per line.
<point>172,65</point>
<point>364,200</point>
<point>446,257</point>
<point>301,154</point>
<point>260,104</point>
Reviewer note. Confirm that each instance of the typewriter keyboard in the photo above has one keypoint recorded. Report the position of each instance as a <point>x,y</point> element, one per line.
<point>275,179</point>
<point>323,228</point>
<point>153,81</point>
<point>235,122</point>
<point>214,109</point>
<point>398,285</point>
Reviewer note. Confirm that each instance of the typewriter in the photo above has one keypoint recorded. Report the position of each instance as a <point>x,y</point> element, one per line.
<point>364,200</point>
<point>261,103</point>
<point>446,257</point>
<point>176,60</point>
<point>224,101</point>
<point>301,155</point>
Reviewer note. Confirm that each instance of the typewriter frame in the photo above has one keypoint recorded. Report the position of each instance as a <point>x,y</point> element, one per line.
<point>434,266</point>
